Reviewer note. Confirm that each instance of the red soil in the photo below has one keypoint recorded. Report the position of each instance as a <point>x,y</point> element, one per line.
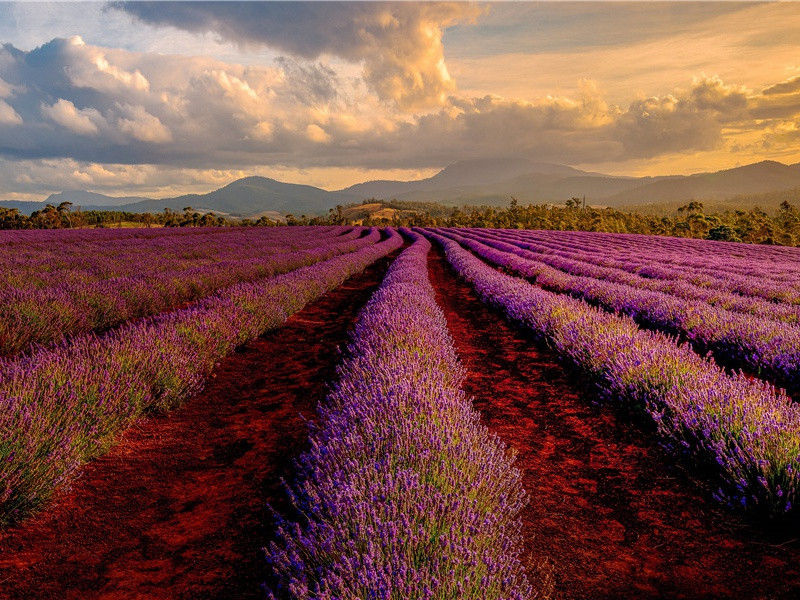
<point>178,508</point>
<point>610,513</point>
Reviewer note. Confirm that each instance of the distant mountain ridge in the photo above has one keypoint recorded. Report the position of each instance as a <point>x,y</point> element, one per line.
<point>84,198</point>
<point>469,182</point>
<point>461,174</point>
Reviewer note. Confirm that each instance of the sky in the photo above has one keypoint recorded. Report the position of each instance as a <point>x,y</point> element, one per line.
<point>159,99</point>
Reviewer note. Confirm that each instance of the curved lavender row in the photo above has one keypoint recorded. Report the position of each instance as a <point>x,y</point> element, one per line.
<point>767,348</point>
<point>743,428</point>
<point>714,266</point>
<point>44,316</point>
<point>61,407</point>
<point>772,280</point>
<point>577,263</point>
<point>716,272</point>
<point>710,273</point>
<point>89,259</point>
<point>742,258</point>
<point>404,494</point>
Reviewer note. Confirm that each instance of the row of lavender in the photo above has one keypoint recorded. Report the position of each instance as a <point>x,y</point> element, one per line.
<point>704,255</point>
<point>117,288</point>
<point>765,347</point>
<point>403,494</point>
<point>772,279</point>
<point>742,429</point>
<point>61,406</point>
<point>53,261</point>
<point>643,274</point>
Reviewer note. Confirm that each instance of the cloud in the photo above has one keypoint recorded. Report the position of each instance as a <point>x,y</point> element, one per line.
<point>310,83</point>
<point>61,103</point>
<point>8,116</point>
<point>80,121</point>
<point>399,43</point>
<point>317,134</point>
<point>789,86</point>
<point>6,90</point>
<point>142,126</point>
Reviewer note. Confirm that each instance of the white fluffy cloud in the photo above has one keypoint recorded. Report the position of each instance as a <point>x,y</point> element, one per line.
<point>8,116</point>
<point>80,121</point>
<point>361,86</point>
<point>142,126</point>
<point>399,43</point>
<point>68,99</point>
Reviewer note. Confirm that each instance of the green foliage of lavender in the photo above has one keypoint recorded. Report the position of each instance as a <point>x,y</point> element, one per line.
<point>62,406</point>
<point>743,428</point>
<point>404,494</point>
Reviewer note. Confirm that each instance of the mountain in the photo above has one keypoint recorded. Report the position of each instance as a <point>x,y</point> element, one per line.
<point>252,196</point>
<point>494,182</point>
<point>528,189</point>
<point>83,198</point>
<point>461,174</point>
<point>470,182</point>
<point>247,197</point>
<point>757,178</point>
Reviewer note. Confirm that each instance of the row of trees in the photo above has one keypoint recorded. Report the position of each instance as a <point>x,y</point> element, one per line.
<point>62,217</point>
<point>753,226</point>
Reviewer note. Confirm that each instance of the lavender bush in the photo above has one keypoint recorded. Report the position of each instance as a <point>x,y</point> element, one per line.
<point>768,272</point>
<point>62,406</point>
<point>404,494</point>
<point>579,261</point>
<point>767,348</point>
<point>94,285</point>
<point>745,430</point>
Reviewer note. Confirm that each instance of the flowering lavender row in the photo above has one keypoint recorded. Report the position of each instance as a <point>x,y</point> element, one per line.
<point>46,315</point>
<point>62,406</point>
<point>743,428</point>
<point>715,273</point>
<point>404,494</point>
<point>709,272</point>
<point>93,257</point>
<point>773,279</point>
<point>767,261</point>
<point>576,262</point>
<point>766,348</point>
<point>29,237</point>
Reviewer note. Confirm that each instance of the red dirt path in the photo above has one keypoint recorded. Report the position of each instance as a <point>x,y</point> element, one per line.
<point>178,508</point>
<point>609,511</point>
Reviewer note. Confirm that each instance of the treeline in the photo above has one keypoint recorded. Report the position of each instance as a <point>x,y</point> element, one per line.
<point>753,226</point>
<point>63,217</point>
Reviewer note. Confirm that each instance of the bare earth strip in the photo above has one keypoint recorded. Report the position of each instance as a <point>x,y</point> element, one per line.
<point>178,508</point>
<point>609,512</point>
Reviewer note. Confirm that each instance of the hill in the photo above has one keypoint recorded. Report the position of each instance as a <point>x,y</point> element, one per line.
<point>757,178</point>
<point>471,182</point>
<point>460,175</point>
<point>485,183</point>
<point>83,198</point>
<point>252,196</point>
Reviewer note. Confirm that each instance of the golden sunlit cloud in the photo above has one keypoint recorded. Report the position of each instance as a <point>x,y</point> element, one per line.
<point>349,92</point>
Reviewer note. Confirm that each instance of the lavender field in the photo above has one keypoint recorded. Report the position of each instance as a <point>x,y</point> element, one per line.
<point>393,468</point>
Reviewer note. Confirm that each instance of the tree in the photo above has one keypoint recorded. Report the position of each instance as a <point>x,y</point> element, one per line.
<point>723,233</point>
<point>63,212</point>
